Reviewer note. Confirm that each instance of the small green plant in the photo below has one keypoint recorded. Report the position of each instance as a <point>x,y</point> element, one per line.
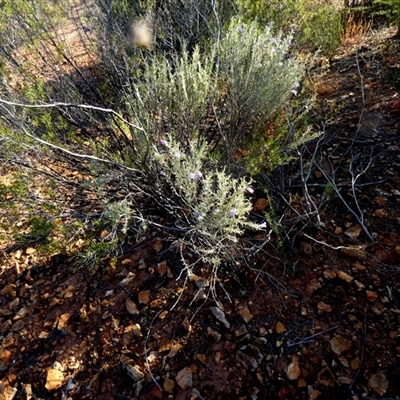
<point>311,21</point>
<point>391,9</point>
<point>210,206</point>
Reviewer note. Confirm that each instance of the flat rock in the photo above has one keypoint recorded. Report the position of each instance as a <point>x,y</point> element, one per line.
<point>339,344</point>
<point>184,378</point>
<point>220,316</point>
<point>54,379</point>
<point>378,383</point>
<point>293,370</point>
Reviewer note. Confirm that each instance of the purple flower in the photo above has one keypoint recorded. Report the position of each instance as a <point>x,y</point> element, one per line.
<point>163,142</point>
<point>162,173</point>
<point>250,190</point>
<point>198,216</point>
<point>233,212</point>
<point>195,176</point>
<point>177,155</point>
<point>294,92</point>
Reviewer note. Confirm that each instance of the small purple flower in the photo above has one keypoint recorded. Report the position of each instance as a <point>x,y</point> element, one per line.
<point>163,142</point>
<point>250,190</point>
<point>294,92</point>
<point>162,173</point>
<point>195,176</point>
<point>198,216</point>
<point>233,212</point>
<point>177,155</point>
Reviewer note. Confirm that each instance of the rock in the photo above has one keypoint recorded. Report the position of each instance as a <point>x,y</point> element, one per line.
<point>293,370</point>
<point>27,388</point>
<point>339,344</point>
<point>169,385</point>
<point>260,205</point>
<point>346,277</point>
<point>128,279</point>
<point>354,231</point>
<point>7,392</point>
<point>54,379</point>
<point>5,359</point>
<point>378,383</point>
<point>9,290</point>
<point>220,316</point>
<point>324,307</point>
<point>371,296</point>
<point>280,328</point>
<point>312,286</point>
<point>63,321</point>
<point>246,315</point>
<point>131,368</point>
<point>329,274</point>
<point>144,296</point>
<point>131,307</point>
<point>184,378</point>
<point>356,252</point>
<point>94,383</point>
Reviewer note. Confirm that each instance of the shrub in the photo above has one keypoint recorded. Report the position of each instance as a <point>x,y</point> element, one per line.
<point>312,22</point>
<point>206,99</point>
<point>391,9</point>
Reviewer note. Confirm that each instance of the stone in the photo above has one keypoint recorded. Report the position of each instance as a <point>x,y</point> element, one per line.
<point>293,369</point>
<point>54,379</point>
<point>5,359</point>
<point>354,231</point>
<point>144,296</point>
<point>220,316</point>
<point>312,286</point>
<point>169,385</point>
<point>324,307</point>
<point>346,277</point>
<point>339,344</point>
<point>280,328</point>
<point>184,378</point>
<point>378,383</point>
<point>246,314</point>
<point>356,252</point>
<point>131,307</point>
<point>131,368</point>
<point>371,296</point>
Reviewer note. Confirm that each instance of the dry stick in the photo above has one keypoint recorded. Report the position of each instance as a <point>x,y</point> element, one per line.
<point>145,350</point>
<point>55,105</point>
<point>311,338</point>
